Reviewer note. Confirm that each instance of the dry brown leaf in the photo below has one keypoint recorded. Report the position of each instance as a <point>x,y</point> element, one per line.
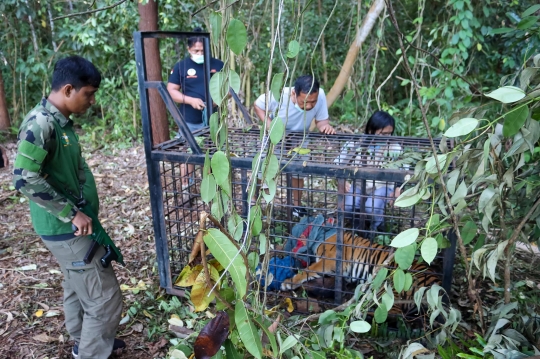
<point>44,338</point>
<point>44,306</point>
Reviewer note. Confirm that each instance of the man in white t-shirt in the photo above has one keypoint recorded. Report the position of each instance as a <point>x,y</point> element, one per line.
<point>299,106</point>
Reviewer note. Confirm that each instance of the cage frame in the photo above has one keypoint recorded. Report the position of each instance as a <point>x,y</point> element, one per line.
<point>156,154</point>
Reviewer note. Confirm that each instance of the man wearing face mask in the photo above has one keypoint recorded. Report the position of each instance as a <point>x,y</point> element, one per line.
<point>299,106</point>
<point>186,87</point>
<point>186,83</point>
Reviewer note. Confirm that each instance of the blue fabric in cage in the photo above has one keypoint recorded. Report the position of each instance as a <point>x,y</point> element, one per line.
<point>281,269</point>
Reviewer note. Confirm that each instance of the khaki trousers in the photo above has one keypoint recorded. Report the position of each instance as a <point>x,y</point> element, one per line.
<point>92,297</point>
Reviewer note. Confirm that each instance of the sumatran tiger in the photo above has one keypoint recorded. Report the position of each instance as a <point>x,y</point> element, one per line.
<point>360,257</point>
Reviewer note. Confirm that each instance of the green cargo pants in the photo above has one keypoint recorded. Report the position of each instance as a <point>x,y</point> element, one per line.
<point>92,297</point>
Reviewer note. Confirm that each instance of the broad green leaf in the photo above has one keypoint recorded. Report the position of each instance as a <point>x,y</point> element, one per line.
<point>379,278</point>
<point>418,295</point>
<point>217,91</point>
<point>360,326</point>
<point>328,317</point>
<point>294,48</point>
<point>275,86</point>
<point>399,280</point>
<point>215,26</point>
<point>271,336</point>
<point>405,238</point>
<point>225,252</point>
<point>460,193</point>
<point>230,350</point>
<point>388,298</point>
<point>214,126</point>
<point>462,127</point>
<point>404,257</point>
<point>272,167</point>
<point>236,36</point>
<point>262,243</point>
<point>409,198</point>
<point>485,197</point>
<point>527,22</point>
<point>514,120</point>
<point>452,181</point>
<point>256,221</point>
<point>288,343</point>
<point>208,188</point>
<point>235,225</point>
<point>501,30</point>
<point>220,168</point>
<point>276,130</point>
<point>468,232</point>
<point>247,330</point>
<point>381,313</point>
<point>272,188</point>
<point>431,166</point>
<point>253,260</point>
<point>217,208</point>
<point>507,94</point>
<point>428,250</point>
<point>530,10</point>
<point>234,81</point>
<point>408,281</point>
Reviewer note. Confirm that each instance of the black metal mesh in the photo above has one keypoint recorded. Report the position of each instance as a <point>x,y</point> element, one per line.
<point>344,176</point>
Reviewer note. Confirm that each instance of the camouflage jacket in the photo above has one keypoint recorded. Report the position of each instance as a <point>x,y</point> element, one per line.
<point>48,167</point>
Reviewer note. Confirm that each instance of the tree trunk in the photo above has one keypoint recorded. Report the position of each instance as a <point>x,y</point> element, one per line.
<point>158,112</point>
<point>4,115</point>
<point>361,35</point>
<point>34,37</point>
<point>49,11</point>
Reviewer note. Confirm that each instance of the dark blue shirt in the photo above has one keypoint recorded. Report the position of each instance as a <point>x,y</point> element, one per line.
<point>190,76</point>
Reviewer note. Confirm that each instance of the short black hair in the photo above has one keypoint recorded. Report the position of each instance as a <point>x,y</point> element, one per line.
<point>378,121</point>
<point>306,84</point>
<point>76,71</point>
<point>195,39</point>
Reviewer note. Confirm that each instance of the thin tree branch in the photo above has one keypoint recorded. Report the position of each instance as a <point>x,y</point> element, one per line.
<point>511,242</point>
<point>90,11</point>
<point>204,7</point>
<point>472,293</point>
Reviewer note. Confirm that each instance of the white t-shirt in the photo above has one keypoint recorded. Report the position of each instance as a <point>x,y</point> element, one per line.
<point>294,119</point>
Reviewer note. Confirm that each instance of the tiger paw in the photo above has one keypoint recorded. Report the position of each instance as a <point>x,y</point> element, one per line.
<point>289,285</point>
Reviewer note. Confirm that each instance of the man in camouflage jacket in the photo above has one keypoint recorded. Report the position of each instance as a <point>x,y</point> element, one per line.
<point>50,171</point>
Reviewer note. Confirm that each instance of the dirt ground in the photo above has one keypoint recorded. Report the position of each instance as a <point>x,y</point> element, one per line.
<point>31,314</point>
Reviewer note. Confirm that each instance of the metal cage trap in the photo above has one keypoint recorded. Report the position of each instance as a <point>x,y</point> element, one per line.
<point>345,185</point>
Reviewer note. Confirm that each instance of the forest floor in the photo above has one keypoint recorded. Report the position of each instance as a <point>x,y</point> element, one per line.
<point>31,313</point>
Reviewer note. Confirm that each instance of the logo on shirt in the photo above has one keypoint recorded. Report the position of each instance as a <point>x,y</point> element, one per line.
<point>191,72</point>
<point>65,140</point>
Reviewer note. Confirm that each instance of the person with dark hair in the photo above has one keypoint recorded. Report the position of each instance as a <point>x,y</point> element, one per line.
<point>380,123</point>
<point>186,82</point>
<point>378,193</point>
<point>49,169</point>
<point>299,106</point>
<point>186,87</point>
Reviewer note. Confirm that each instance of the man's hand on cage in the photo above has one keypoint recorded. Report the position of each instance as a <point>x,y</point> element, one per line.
<point>326,128</point>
